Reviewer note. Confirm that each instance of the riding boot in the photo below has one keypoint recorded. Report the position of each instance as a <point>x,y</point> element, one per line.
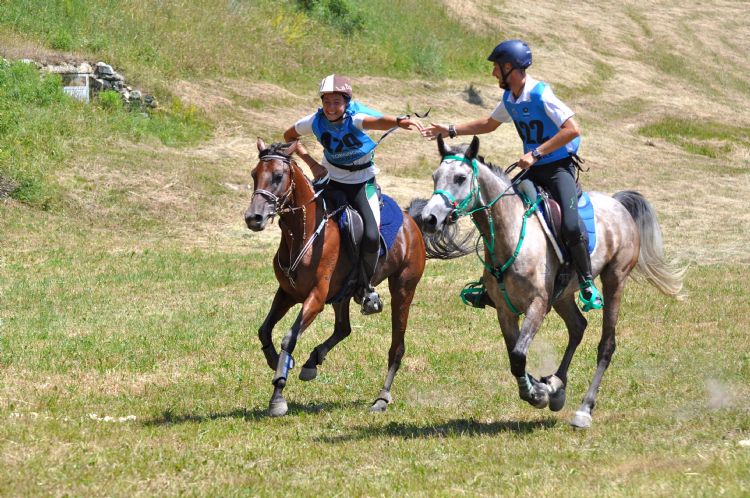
<point>371,302</point>
<point>589,297</point>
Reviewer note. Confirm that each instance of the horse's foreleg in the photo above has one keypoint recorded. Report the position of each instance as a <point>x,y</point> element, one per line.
<point>341,331</point>
<point>402,294</point>
<point>312,306</point>
<point>281,304</point>
<point>613,285</point>
<point>529,389</point>
<point>576,324</point>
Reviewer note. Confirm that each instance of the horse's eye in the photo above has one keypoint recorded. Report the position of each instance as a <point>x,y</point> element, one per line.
<point>459,179</point>
<point>277,177</point>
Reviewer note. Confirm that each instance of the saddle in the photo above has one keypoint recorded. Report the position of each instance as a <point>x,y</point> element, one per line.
<point>352,227</point>
<point>550,217</point>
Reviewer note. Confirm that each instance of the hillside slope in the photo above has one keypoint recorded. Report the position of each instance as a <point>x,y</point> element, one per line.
<point>619,66</point>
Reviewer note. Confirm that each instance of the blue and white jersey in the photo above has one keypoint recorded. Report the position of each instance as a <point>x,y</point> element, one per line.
<point>347,147</point>
<point>538,115</point>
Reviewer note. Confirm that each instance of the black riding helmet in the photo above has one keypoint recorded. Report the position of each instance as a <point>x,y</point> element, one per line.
<point>516,52</point>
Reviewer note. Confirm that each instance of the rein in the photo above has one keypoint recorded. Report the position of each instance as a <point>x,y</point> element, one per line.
<point>462,209</point>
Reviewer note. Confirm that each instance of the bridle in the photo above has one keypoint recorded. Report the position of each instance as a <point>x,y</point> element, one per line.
<point>278,202</point>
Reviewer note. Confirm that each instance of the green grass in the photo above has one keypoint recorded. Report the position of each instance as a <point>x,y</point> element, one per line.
<point>232,38</point>
<point>168,335</point>
<point>42,130</point>
<point>702,137</point>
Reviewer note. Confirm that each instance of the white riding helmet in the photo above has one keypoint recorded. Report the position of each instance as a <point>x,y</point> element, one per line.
<point>333,83</point>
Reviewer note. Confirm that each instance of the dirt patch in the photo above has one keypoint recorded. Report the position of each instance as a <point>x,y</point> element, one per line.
<point>7,187</point>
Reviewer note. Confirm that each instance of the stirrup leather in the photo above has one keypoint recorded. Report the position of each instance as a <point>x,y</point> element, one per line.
<point>594,301</point>
<point>473,294</point>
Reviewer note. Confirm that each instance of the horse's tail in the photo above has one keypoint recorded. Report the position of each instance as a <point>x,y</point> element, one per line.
<point>665,276</point>
<point>448,243</point>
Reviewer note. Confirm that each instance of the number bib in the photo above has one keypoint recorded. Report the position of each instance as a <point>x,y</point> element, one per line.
<point>535,127</point>
<point>344,143</point>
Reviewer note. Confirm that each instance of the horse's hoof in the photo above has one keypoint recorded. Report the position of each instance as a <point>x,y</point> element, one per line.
<point>557,400</point>
<point>581,420</point>
<point>556,390</point>
<point>382,402</point>
<point>308,373</point>
<point>379,406</point>
<point>277,408</point>
<point>539,396</point>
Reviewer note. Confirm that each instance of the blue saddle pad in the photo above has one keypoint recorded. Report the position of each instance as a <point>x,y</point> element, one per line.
<point>391,219</point>
<point>586,213</point>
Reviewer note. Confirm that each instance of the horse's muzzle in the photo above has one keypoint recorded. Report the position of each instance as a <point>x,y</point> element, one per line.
<point>430,224</point>
<point>255,222</point>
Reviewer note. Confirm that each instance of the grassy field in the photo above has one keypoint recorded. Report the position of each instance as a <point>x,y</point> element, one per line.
<point>131,292</point>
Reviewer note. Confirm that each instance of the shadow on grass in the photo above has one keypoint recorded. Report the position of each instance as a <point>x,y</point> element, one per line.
<point>452,428</point>
<point>168,417</point>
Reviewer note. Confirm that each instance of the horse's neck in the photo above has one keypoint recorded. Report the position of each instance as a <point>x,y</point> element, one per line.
<point>506,212</point>
<point>302,220</point>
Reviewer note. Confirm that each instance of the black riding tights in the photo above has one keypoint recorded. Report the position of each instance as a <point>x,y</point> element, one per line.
<point>356,196</point>
<point>559,178</point>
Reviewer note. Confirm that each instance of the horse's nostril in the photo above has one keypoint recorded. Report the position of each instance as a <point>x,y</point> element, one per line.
<point>258,218</point>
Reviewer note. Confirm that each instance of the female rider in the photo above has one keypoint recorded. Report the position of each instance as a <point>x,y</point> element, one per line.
<point>348,165</point>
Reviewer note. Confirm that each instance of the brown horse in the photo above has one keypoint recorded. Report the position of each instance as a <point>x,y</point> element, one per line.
<point>312,268</point>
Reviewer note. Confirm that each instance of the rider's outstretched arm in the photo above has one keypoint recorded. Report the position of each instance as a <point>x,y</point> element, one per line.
<point>476,127</point>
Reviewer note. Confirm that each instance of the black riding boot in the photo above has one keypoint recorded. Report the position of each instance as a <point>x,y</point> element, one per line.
<point>370,299</point>
<point>589,297</point>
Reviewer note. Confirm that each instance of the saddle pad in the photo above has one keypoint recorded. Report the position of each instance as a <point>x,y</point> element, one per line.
<point>391,219</point>
<point>586,213</point>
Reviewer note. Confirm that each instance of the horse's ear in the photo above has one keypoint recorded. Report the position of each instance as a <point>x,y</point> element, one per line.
<point>441,146</point>
<point>473,149</point>
<point>261,145</point>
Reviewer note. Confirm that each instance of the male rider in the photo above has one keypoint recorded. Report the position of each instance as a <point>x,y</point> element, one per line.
<point>550,136</point>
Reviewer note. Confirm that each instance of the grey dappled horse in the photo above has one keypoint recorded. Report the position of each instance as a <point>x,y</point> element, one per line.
<point>628,237</point>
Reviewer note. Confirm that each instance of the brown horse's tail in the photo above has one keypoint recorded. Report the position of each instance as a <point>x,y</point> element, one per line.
<point>665,276</point>
<point>449,242</point>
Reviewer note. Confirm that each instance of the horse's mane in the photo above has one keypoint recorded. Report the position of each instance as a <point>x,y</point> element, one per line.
<point>496,170</point>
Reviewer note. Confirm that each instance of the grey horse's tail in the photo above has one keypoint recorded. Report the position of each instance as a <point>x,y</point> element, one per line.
<point>449,242</point>
<point>665,276</point>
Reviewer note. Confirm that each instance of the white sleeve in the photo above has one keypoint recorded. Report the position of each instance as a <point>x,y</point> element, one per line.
<point>358,120</point>
<point>304,125</point>
<point>500,113</point>
<point>557,111</point>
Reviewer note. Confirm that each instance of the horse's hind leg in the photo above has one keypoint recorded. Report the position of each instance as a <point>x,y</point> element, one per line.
<point>576,324</point>
<point>341,331</point>
<point>402,293</point>
<point>613,284</point>
<point>281,304</point>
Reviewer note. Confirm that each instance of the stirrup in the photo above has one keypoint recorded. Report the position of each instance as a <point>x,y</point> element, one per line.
<point>371,303</point>
<point>594,301</point>
<point>474,294</point>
